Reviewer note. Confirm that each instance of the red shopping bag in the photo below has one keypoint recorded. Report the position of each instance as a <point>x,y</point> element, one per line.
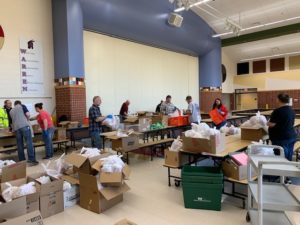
<point>216,117</point>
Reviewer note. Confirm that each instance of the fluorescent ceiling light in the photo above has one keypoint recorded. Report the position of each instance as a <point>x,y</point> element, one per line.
<point>258,26</point>
<point>270,56</point>
<point>192,5</point>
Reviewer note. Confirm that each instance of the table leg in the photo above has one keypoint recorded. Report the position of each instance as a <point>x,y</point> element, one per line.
<point>169,177</point>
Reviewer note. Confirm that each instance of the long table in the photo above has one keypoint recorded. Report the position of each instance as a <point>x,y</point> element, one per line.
<point>233,120</point>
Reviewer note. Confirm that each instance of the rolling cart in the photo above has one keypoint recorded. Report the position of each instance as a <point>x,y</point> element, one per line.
<point>272,199</point>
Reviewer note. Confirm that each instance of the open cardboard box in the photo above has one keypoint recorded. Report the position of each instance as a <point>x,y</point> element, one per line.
<point>131,119</point>
<point>232,170</point>
<point>252,134</point>
<point>60,134</point>
<point>13,172</point>
<point>175,159</point>
<point>32,200</point>
<point>126,143</point>
<point>112,179</point>
<point>144,124</point>
<point>71,196</point>
<point>98,199</point>
<point>82,163</point>
<point>160,119</point>
<point>15,208</point>
<point>33,218</point>
<point>51,195</point>
<point>214,145</point>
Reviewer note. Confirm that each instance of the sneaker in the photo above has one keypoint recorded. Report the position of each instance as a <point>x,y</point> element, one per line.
<point>32,163</point>
<point>46,157</point>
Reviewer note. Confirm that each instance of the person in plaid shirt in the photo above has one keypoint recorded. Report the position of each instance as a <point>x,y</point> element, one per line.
<point>167,107</point>
<point>95,119</point>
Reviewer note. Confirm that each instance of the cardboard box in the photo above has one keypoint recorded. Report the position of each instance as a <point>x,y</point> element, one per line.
<point>33,218</point>
<point>144,124</point>
<point>112,179</point>
<point>252,134</point>
<point>214,145</point>
<point>232,170</point>
<point>15,208</point>
<point>160,119</point>
<point>51,195</point>
<point>82,163</point>
<point>131,119</point>
<point>13,172</point>
<point>32,200</point>
<point>73,124</point>
<point>36,128</point>
<point>125,222</point>
<point>60,134</point>
<point>126,143</point>
<point>175,159</point>
<point>98,200</point>
<point>135,127</point>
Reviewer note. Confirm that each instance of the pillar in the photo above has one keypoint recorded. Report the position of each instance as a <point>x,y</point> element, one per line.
<point>68,59</point>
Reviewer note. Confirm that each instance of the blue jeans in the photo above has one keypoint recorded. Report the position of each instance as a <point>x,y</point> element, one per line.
<point>287,145</point>
<point>21,134</point>
<point>96,139</point>
<point>218,127</point>
<point>47,138</point>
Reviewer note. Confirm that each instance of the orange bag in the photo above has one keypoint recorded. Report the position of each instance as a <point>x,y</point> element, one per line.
<point>216,117</point>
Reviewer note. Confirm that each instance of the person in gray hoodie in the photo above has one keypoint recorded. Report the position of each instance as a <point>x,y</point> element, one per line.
<point>21,127</point>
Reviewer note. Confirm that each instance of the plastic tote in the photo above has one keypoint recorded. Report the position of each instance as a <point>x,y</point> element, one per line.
<point>202,187</point>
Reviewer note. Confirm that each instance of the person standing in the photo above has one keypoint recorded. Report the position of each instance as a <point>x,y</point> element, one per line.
<point>219,114</point>
<point>5,119</point>
<point>157,110</point>
<point>95,119</point>
<point>281,126</point>
<point>20,125</point>
<point>45,121</point>
<point>124,109</point>
<point>167,107</point>
<point>193,110</point>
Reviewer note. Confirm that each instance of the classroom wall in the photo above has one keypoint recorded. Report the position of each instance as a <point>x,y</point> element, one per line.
<point>282,80</point>
<point>30,18</point>
<point>118,70</point>
<point>227,86</point>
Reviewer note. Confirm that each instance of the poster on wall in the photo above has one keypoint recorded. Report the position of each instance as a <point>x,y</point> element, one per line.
<point>31,63</point>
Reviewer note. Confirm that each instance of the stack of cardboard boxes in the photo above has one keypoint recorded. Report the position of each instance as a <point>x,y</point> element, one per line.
<point>98,190</point>
<point>48,198</point>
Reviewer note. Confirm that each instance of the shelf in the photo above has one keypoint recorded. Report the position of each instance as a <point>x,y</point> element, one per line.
<point>275,197</point>
<point>275,169</point>
<point>270,218</point>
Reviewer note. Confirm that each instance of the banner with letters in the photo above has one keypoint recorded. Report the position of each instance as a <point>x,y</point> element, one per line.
<point>31,63</point>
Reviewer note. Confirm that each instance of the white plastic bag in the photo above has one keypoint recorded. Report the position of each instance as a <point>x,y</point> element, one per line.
<point>112,121</point>
<point>89,152</point>
<point>13,192</point>
<point>67,186</point>
<point>112,164</point>
<point>44,179</point>
<point>176,145</point>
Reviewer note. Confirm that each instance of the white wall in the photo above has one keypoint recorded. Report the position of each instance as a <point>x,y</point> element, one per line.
<point>228,86</point>
<point>33,19</point>
<point>118,70</point>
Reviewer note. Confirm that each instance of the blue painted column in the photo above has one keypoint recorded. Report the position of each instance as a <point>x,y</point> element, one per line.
<point>68,59</point>
<point>210,67</point>
<point>68,38</point>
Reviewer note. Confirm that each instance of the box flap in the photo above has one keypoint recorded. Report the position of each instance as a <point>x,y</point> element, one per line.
<point>125,222</point>
<point>89,181</point>
<point>126,172</point>
<point>70,179</point>
<point>131,120</point>
<point>112,192</point>
<point>97,165</point>
<point>33,218</point>
<point>110,178</point>
<point>14,171</point>
<point>76,159</point>
<point>44,189</point>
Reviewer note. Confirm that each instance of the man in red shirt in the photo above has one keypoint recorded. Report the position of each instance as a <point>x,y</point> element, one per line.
<point>124,110</point>
<point>45,121</point>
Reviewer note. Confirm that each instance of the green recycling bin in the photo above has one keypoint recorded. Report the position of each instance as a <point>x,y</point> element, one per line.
<point>202,187</point>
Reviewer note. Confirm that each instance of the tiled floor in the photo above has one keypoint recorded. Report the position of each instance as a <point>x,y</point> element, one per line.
<point>150,201</point>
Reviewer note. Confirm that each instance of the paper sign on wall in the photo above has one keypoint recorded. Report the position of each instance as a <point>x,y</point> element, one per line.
<point>31,63</point>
